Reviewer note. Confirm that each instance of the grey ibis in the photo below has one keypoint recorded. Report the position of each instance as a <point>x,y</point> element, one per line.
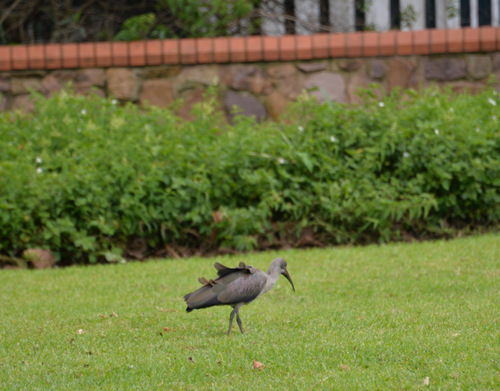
<point>236,287</point>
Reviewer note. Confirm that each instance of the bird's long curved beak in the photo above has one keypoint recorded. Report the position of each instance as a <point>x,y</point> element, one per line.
<point>287,275</point>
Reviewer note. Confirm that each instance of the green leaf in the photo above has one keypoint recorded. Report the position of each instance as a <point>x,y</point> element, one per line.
<point>308,162</point>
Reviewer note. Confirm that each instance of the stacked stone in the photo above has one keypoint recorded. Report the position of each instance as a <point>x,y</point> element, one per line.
<point>260,89</point>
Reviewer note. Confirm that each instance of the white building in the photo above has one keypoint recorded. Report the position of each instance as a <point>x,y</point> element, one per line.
<point>380,15</point>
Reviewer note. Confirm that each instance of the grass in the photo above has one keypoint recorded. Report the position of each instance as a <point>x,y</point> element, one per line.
<point>396,316</point>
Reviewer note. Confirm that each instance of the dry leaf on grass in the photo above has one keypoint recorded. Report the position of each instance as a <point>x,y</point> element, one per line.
<point>426,381</point>
<point>257,365</point>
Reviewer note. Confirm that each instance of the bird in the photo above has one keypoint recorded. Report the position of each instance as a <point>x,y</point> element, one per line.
<point>236,287</point>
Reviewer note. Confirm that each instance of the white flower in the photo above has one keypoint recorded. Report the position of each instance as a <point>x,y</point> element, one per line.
<point>492,102</point>
<point>39,160</point>
<point>436,131</point>
<point>333,139</point>
<point>39,170</point>
<point>381,104</point>
<point>114,102</point>
<point>84,111</point>
<point>406,154</point>
<point>281,160</point>
<point>301,129</point>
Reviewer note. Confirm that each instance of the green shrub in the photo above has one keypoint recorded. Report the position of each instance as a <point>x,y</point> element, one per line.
<point>412,154</point>
<point>190,18</point>
<point>88,178</point>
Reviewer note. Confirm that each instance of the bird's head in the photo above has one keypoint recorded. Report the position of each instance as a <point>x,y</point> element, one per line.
<point>283,270</point>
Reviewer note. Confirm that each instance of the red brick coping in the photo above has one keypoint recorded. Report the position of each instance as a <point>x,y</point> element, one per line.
<point>248,49</point>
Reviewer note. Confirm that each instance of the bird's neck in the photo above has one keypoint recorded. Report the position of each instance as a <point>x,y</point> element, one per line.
<point>272,278</point>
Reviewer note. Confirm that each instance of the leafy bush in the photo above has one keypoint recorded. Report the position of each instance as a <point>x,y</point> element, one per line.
<point>95,181</point>
<point>126,20</point>
<point>136,27</point>
<point>417,162</point>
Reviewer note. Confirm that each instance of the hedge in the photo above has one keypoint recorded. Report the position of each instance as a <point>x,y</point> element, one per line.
<point>92,180</point>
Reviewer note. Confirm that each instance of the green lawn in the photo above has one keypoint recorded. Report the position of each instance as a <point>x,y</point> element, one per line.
<point>398,316</point>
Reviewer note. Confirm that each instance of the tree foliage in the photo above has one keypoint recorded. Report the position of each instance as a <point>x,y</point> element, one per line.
<point>39,21</point>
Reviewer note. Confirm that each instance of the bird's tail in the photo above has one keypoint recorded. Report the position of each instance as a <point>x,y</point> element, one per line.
<point>201,298</point>
<point>186,299</point>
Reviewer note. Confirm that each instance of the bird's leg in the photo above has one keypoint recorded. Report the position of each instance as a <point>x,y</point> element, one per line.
<point>238,319</point>
<point>233,312</point>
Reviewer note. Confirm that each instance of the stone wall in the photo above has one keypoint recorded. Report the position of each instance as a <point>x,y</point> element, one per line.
<point>261,75</point>
<point>260,89</point>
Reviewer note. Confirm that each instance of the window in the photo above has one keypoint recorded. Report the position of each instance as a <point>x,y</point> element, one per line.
<point>464,13</point>
<point>360,21</point>
<point>395,15</point>
<point>484,11</point>
<point>430,14</point>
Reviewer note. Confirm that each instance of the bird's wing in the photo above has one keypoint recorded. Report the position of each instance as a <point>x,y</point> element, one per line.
<point>224,270</point>
<point>242,287</point>
<point>235,287</point>
<point>204,281</point>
